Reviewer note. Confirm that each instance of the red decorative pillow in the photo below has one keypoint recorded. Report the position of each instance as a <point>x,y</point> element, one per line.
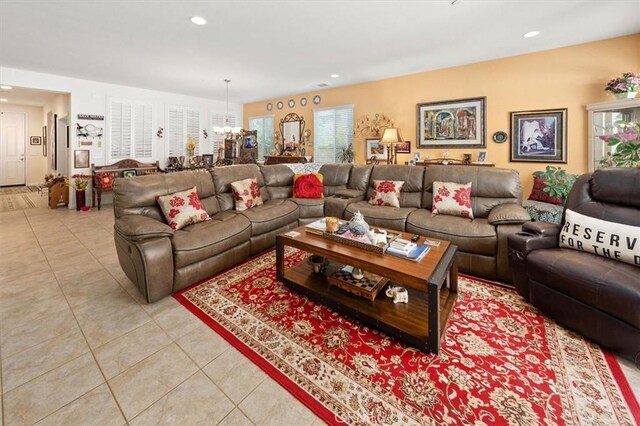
<point>452,199</point>
<point>182,208</point>
<point>537,193</point>
<point>246,194</point>
<point>386,193</point>
<point>308,185</point>
<point>106,181</point>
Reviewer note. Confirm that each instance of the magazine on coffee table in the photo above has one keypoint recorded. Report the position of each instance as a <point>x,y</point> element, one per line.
<point>416,254</point>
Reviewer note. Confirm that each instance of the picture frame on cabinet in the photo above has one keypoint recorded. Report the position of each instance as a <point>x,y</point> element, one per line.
<point>539,136</point>
<point>207,159</point>
<point>458,123</point>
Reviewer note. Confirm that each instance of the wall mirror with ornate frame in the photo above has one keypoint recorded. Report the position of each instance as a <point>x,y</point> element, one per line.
<point>291,127</point>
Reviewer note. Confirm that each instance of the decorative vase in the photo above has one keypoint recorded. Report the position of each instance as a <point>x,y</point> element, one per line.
<point>357,225</point>
<point>625,95</point>
<point>80,199</point>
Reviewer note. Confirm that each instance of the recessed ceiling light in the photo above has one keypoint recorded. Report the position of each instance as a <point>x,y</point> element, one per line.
<point>4,100</point>
<point>335,75</point>
<point>531,34</point>
<point>4,87</point>
<point>198,20</point>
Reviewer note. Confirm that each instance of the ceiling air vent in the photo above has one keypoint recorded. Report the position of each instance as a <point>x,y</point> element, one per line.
<point>322,85</point>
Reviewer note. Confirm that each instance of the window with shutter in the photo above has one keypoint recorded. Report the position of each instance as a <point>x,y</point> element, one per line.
<point>217,120</point>
<point>182,123</point>
<point>130,130</point>
<point>333,131</point>
<point>264,127</point>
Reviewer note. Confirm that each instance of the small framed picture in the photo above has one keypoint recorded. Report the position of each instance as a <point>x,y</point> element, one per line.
<point>539,136</point>
<point>403,148</point>
<point>129,173</point>
<point>376,150</point>
<point>81,159</point>
<point>482,156</point>
<point>250,139</point>
<point>207,158</point>
<point>416,157</point>
<point>35,140</point>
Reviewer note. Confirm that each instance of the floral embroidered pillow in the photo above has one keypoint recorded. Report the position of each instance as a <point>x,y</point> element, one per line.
<point>182,208</point>
<point>246,194</point>
<point>452,199</point>
<point>386,193</point>
<point>308,185</point>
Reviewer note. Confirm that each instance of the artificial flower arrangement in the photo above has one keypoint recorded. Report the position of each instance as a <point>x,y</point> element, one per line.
<point>80,182</point>
<point>191,147</point>
<point>624,146</point>
<point>51,179</point>
<point>629,82</point>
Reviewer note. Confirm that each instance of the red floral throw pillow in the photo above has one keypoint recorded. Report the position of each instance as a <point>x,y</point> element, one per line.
<point>386,193</point>
<point>308,185</point>
<point>182,208</point>
<point>537,193</point>
<point>106,181</point>
<point>452,199</point>
<point>246,194</point>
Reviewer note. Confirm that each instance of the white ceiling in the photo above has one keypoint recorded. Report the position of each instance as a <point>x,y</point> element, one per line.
<point>31,97</point>
<point>276,48</point>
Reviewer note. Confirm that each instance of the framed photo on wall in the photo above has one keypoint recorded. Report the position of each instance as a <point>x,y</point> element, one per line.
<point>81,159</point>
<point>376,150</point>
<point>459,123</point>
<point>403,148</point>
<point>539,136</point>
<point>35,140</point>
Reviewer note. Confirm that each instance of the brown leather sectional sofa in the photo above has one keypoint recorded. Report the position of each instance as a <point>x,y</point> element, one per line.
<point>161,261</point>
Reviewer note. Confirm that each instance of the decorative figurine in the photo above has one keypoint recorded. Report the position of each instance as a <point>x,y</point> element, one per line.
<point>357,225</point>
<point>377,238</point>
<point>399,294</point>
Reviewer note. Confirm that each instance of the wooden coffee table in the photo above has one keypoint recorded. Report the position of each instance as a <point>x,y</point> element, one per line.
<point>432,284</point>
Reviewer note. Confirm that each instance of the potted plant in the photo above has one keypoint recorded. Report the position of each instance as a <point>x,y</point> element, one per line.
<point>557,182</point>
<point>624,146</point>
<point>346,155</point>
<point>80,183</point>
<point>625,86</point>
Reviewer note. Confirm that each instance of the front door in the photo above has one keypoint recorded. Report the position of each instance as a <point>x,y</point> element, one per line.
<point>12,146</point>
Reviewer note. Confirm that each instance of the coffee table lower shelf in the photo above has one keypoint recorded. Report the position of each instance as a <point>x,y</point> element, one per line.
<point>408,322</point>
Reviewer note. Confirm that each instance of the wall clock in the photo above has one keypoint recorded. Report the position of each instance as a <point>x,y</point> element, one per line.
<point>291,103</point>
<point>316,99</point>
<point>279,104</point>
<point>303,102</point>
<point>500,137</point>
<point>269,106</point>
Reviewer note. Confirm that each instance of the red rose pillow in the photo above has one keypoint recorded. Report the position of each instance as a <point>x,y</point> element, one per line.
<point>537,193</point>
<point>106,181</point>
<point>308,185</point>
<point>452,199</point>
<point>246,194</point>
<point>182,208</point>
<point>386,193</point>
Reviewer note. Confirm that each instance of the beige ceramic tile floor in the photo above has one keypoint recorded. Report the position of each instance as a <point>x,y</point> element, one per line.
<point>78,345</point>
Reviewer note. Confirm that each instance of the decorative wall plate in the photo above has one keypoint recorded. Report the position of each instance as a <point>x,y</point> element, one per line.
<point>316,99</point>
<point>500,137</point>
<point>269,106</point>
<point>291,103</point>
<point>303,101</point>
<point>279,104</point>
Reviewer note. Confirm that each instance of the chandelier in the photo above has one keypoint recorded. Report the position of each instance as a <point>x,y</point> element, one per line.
<point>227,130</point>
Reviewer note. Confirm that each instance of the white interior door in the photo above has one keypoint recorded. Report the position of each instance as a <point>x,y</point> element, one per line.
<point>12,146</point>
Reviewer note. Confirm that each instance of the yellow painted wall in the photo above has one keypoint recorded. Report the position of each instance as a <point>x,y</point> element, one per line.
<point>569,77</point>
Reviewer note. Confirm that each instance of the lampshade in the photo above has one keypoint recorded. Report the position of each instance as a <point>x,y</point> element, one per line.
<point>391,136</point>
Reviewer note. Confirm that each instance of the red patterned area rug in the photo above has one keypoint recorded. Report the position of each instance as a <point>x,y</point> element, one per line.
<point>501,361</point>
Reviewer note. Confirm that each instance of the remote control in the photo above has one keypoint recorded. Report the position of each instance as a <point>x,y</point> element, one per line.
<point>415,238</point>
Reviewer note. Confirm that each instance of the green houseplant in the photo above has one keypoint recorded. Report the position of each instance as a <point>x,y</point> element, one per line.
<point>624,146</point>
<point>558,182</point>
<point>346,155</point>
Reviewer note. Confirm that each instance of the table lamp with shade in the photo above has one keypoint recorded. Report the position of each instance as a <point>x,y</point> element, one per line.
<point>391,137</point>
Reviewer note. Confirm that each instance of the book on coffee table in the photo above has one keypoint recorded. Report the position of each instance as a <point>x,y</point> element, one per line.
<point>415,254</point>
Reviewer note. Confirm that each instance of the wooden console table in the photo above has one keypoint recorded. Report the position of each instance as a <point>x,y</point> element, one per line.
<point>282,159</point>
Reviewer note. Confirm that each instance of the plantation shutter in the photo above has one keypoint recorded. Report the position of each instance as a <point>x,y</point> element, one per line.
<point>120,131</point>
<point>192,127</point>
<point>175,131</point>
<point>333,130</point>
<point>264,127</point>
<point>143,132</point>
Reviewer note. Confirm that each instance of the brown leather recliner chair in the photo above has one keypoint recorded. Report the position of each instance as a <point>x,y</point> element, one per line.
<point>597,296</point>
